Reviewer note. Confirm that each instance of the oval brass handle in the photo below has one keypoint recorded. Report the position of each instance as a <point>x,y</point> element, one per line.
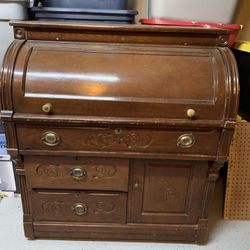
<point>191,113</point>
<point>78,173</point>
<point>50,139</point>
<point>80,209</point>
<point>47,108</point>
<point>186,141</point>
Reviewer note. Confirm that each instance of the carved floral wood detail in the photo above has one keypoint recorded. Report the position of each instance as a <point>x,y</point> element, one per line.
<point>56,171</point>
<point>110,139</point>
<point>52,171</point>
<point>168,189</point>
<point>102,207</point>
<point>59,207</point>
<point>101,171</point>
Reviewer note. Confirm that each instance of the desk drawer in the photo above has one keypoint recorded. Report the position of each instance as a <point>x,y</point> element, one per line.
<point>77,173</point>
<point>99,140</point>
<point>79,206</point>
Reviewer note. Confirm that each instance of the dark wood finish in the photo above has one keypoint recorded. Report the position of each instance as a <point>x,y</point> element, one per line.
<point>118,139</point>
<point>58,206</point>
<point>57,173</point>
<point>138,232</point>
<point>112,91</point>
<point>167,192</point>
<point>6,76</point>
<point>120,33</point>
<point>118,132</point>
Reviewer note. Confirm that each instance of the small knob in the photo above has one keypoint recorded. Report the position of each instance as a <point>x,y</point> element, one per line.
<point>191,113</point>
<point>136,186</point>
<point>80,208</point>
<point>78,173</point>
<point>50,138</point>
<point>186,141</point>
<point>47,108</point>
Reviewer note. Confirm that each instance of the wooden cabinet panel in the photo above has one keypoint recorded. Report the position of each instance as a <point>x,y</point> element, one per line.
<point>77,173</point>
<point>79,206</point>
<point>167,191</point>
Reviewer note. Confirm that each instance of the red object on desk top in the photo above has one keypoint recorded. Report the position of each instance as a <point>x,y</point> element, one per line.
<point>153,21</point>
<point>169,22</point>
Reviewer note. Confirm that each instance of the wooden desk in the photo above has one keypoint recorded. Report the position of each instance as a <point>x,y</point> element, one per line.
<point>118,132</point>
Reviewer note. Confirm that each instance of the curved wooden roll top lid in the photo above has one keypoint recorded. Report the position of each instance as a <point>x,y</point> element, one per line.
<point>125,80</point>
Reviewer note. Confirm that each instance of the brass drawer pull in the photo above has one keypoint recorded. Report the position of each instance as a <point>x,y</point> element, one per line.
<point>186,141</point>
<point>80,209</point>
<point>78,173</point>
<point>47,108</point>
<point>51,139</point>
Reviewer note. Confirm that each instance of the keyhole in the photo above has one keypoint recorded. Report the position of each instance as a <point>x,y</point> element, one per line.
<point>118,131</point>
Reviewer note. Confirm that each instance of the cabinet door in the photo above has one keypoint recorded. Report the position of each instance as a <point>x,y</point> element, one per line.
<point>167,191</point>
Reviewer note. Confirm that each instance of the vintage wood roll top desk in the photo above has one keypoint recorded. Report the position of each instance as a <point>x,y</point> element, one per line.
<point>118,132</point>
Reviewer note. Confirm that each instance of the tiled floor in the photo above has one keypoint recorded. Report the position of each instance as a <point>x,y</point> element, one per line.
<point>224,235</point>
